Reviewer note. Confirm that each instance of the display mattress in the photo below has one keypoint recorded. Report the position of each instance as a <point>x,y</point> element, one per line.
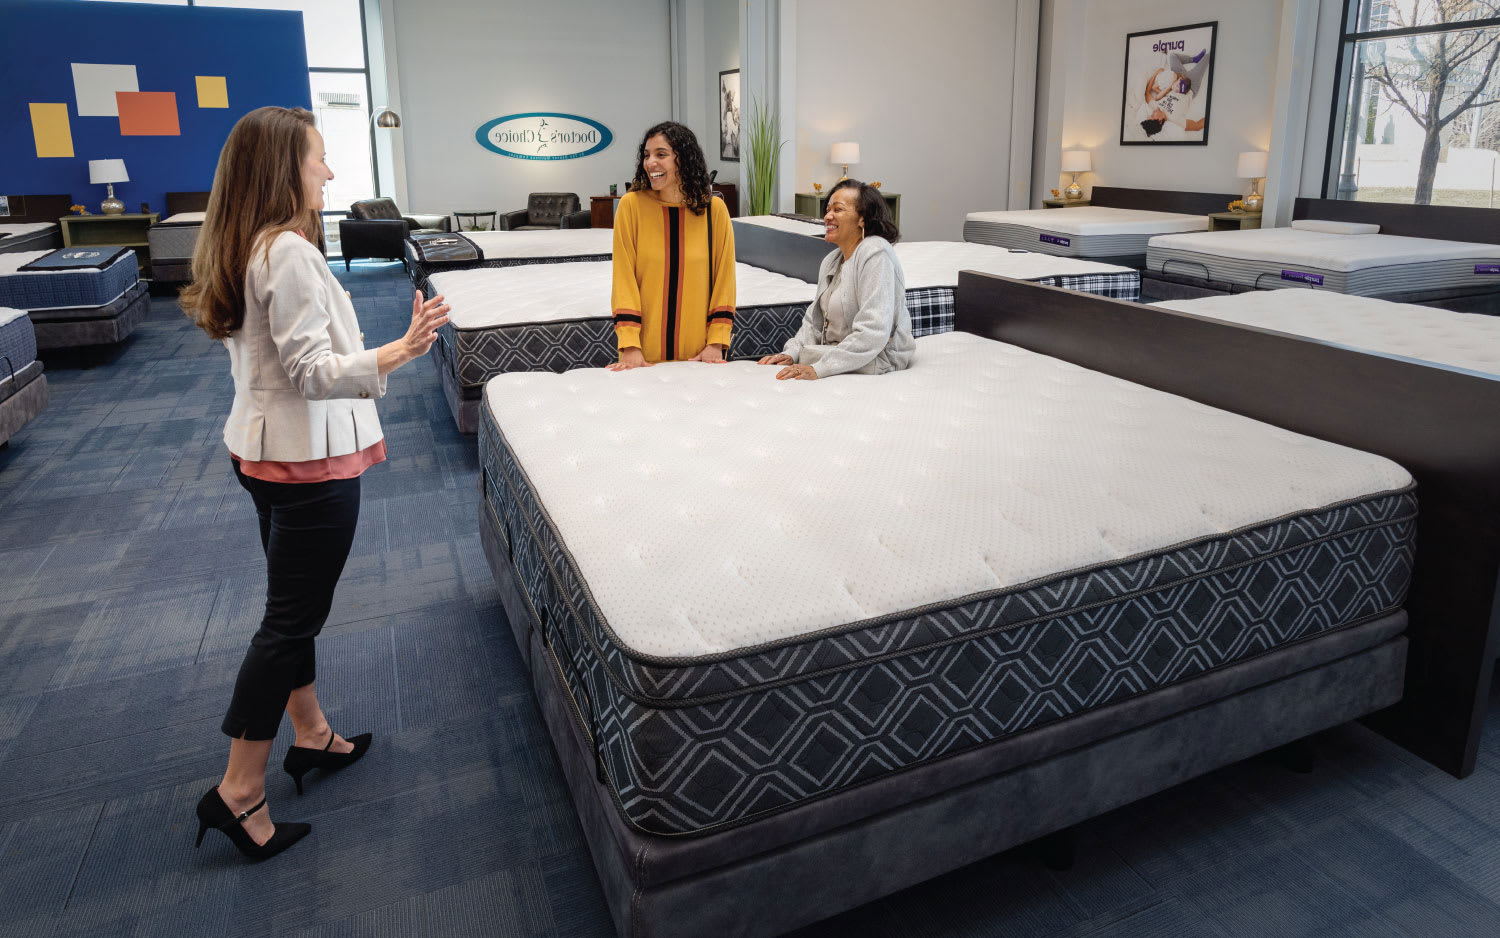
<point>1360,264</point>
<point>556,317</point>
<point>1089,231</point>
<point>812,227</point>
<point>17,340</point>
<point>174,237</point>
<point>66,288</point>
<point>1470,341</point>
<point>38,236</point>
<point>763,592</point>
<point>428,253</point>
<point>931,271</point>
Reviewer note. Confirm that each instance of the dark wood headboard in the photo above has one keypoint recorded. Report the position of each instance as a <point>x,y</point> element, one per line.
<point>34,209</point>
<point>1443,222</point>
<point>186,202</point>
<point>1161,200</point>
<point>785,252</point>
<point>1436,421</point>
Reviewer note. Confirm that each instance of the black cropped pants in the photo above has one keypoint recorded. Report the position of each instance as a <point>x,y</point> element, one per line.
<point>306,530</point>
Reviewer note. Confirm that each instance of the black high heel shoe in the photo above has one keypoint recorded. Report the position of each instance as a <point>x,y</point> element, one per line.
<point>300,759</point>
<point>213,812</point>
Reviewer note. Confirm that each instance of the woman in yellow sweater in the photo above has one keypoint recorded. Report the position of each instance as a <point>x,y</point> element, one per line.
<point>673,293</point>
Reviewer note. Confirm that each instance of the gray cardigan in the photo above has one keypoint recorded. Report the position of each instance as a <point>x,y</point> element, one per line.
<point>875,335</point>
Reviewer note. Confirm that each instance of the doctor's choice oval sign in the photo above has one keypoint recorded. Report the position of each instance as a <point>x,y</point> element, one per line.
<point>543,135</point>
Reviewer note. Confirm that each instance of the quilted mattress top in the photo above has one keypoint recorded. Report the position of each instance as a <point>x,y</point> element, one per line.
<point>184,218</point>
<point>712,508</point>
<point>8,315</point>
<point>11,230</point>
<point>1096,220</point>
<point>565,242</point>
<point>507,296</point>
<point>1461,340</point>
<point>937,263</point>
<point>1323,250</point>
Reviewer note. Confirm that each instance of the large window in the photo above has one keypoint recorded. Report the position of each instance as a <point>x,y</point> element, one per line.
<point>1418,113</point>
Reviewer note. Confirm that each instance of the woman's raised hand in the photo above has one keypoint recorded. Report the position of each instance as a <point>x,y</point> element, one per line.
<point>426,317</point>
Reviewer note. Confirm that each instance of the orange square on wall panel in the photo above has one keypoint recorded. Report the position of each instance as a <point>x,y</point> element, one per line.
<point>148,113</point>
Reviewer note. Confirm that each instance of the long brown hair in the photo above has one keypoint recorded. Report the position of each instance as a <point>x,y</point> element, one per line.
<point>257,194</point>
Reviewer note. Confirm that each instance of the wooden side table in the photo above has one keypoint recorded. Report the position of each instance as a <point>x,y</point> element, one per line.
<point>1063,203</point>
<point>1233,221</point>
<point>815,204</point>
<point>122,230</point>
<point>602,210</point>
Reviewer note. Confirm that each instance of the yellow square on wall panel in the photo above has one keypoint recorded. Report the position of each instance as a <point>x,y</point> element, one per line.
<point>49,127</point>
<point>212,91</point>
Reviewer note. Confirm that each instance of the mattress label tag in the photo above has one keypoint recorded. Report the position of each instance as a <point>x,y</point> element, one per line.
<point>1055,239</point>
<point>1487,268</point>
<point>1316,279</point>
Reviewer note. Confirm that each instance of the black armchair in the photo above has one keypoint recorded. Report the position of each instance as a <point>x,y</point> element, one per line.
<point>376,228</point>
<point>544,210</point>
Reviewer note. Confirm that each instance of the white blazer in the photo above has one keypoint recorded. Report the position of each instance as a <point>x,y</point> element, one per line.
<point>304,384</point>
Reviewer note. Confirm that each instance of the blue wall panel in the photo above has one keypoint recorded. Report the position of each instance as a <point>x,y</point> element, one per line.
<point>261,54</point>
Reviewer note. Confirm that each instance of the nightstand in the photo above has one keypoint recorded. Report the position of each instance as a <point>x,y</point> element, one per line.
<point>123,230</point>
<point>1233,221</point>
<point>815,204</point>
<point>1063,203</point>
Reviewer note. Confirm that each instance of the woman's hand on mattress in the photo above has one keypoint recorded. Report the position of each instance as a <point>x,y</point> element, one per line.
<point>777,359</point>
<point>426,317</point>
<point>797,373</point>
<point>630,358</point>
<point>714,354</point>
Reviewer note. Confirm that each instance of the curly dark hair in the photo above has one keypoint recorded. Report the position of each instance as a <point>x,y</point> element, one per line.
<point>872,209</point>
<point>692,168</point>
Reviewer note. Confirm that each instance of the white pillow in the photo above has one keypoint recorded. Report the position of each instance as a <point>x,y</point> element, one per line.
<point>1335,227</point>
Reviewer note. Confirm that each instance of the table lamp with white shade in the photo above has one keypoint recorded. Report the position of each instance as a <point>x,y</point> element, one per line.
<point>846,153</point>
<point>1075,162</point>
<point>109,172</point>
<point>1252,166</point>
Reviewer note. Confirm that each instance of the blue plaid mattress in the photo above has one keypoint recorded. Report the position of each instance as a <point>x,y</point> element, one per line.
<point>53,289</point>
<point>931,308</point>
<point>759,727</point>
<point>17,340</point>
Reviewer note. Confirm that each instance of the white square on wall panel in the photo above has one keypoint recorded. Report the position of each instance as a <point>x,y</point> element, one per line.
<point>94,86</point>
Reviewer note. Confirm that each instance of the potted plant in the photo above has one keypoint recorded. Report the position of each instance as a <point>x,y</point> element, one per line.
<point>765,145</point>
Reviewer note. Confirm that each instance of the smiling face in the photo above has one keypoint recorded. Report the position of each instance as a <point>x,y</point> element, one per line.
<point>660,165</point>
<point>841,222</point>
<point>315,172</point>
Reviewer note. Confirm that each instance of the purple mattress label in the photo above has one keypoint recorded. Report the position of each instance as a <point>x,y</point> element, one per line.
<point>1487,268</point>
<point>1054,239</point>
<point>1316,279</point>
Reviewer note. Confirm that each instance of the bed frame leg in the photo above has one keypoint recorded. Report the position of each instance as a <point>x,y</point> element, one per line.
<point>1297,756</point>
<point>1058,850</point>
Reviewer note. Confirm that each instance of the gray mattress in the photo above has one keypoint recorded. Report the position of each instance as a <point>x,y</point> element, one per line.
<point>1388,280</point>
<point>23,395</point>
<point>1059,243</point>
<point>76,326</point>
<point>936,682</point>
<point>45,240</point>
<point>173,242</point>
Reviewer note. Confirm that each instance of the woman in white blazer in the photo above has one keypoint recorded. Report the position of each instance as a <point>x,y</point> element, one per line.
<point>300,432</point>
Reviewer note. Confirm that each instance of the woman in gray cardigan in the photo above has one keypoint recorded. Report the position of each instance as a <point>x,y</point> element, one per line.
<point>859,322</point>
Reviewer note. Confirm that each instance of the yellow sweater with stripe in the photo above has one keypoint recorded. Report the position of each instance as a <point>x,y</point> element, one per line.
<point>661,298</point>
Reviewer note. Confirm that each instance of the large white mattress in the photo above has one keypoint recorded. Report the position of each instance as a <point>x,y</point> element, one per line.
<point>937,263</point>
<point>1095,220</point>
<point>16,231</point>
<point>1460,340</point>
<point>184,218</point>
<point>565,242</point>
<point>981,467</point>
<point>1323,250</point>
<point>487,297</point>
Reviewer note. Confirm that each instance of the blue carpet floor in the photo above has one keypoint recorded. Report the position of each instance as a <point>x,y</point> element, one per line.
<point>133,576</point>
